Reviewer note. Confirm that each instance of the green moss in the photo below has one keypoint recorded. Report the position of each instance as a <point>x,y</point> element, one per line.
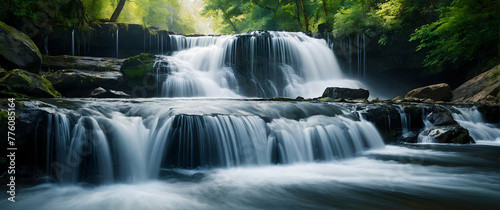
<point>21,36</point>
<point>135,72</point>
<point>326,99</point>
<point>494,75</point>
<point>20,83</point>
<point>138,66</point>
<point>3,117</point>
<point>461,139</point>
<point>376,100</point>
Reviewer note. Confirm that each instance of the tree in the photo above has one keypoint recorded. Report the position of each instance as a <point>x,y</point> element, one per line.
<point>117,11</point>
<point>305,16</point>
<point>298,13</point>
<point>466,30</point>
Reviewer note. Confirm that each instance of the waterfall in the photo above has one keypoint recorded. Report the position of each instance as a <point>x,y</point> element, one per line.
<point>117,43</point>
<point>102,142</point>
<point>364,56</point>
<point>256,64</point>
<point>358,54</point>
<point>472,120</point>
<point>73,42</point>
<point>46,44</point>
<point>405,121</point>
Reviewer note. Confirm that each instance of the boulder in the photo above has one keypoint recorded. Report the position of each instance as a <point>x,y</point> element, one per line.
<point>79,83</point>
<point>19,82</point>
<point>98,91</point>
<point>482,88</point>
<point>102,93</point>
<point>138,66</point>
<point>455,134</point>
<point>345,93</point>
<point>437,92</point>
<point>54,63</point>
<point>17,50</point>
<point>139,74</point>
<point>441,119</point>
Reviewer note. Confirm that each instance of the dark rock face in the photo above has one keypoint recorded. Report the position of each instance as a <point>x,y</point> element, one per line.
<point>437,92</point>
<point>103,39</point>
<point>491,112</point>
<point>482,88</point>
<point>448,134</point>
<point>79,83</point>
<point>19,82</point>
<point>52,63</point>
<point>345,93</point>
<point>17,50</point>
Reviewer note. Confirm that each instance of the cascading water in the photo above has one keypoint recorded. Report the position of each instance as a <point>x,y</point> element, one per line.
<point>257,64</point>
<point>405,121</point>
<point>472,120</point>
<point>117,38</point>
<point>169,134</point>
<point>46,45</point>
<point>73,42</point>
<point>227,154</point>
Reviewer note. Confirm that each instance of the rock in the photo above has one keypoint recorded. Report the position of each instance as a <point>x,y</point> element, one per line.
<point>3,72</point>
<point>19,81</point>
<point>17,50</point>
<point>490,112</point>
<point>102,93</point>
<point>98,91</point>
<point>140,77</point>
<point>446,134</point>
<point>482,88</point>
<point>345,93</point>
<point>79,83</point>
<point>54,63</point>
<point>437,92</point>
<point>441,119</point>
<point>397,100</point>
<point>138,66</point>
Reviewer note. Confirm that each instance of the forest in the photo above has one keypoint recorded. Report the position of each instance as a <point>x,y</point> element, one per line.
<point>448,30</point>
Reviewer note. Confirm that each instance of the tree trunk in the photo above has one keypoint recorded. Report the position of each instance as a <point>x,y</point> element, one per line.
<point>117,11</point>
<point>305,16</point>
<point>324,7</point>
<point>298,14</point>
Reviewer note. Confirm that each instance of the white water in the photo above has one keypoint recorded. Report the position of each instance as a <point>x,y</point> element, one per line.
<point>363,182</point>
<point>405,121</point>
<point>117,38</point>
<point>285,64</point>
<point>73,42</point>
<point>99,143</point>
<point>472,120</point>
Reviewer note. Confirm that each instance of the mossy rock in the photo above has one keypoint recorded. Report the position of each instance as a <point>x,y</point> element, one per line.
<point>3,72</point>
<point>454,134</point>
<point>21,83</point>
<point>138,66</point>
<point>18,50</point>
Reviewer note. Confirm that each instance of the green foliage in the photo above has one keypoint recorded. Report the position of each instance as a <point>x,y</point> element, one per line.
<point>465,30</point>
<point>38,16</point>
<point>164,14</point>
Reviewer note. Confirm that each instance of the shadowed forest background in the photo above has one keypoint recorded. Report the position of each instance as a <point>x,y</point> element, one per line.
<point>458,35</point>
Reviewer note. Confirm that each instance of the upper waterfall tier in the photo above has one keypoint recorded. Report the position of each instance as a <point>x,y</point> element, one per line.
<point>256,64</point>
